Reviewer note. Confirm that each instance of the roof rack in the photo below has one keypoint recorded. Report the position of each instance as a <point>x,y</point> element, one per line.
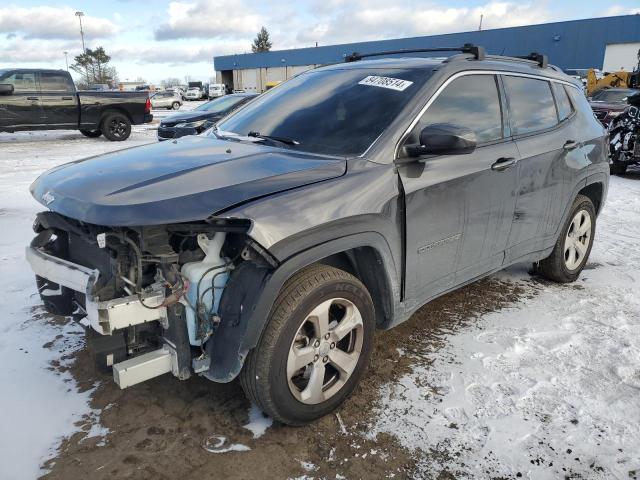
<point>541,59</point>
<point>477,51</point>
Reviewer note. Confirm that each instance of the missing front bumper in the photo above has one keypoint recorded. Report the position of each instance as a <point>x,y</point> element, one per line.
<point>103,316</point>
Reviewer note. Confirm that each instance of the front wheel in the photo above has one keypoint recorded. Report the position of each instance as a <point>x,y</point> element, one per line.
<point>116,127</point>
<point>315,347</point>
<point>175,105</point>
<point>573,247</point>
<point>91,133</point>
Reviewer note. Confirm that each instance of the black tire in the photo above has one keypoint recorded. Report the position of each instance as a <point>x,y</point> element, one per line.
<point>175,105</point>
<point>116,127</point>
<point>91,133</point>
<point>264,376</point>
<point>554,267</point>
<point>617,168</point>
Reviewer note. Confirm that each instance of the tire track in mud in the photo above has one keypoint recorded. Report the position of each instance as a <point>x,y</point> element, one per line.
<point>156,429</point>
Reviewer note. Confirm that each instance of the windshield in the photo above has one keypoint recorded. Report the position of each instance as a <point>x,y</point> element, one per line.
<point>340,111</point>
<point>612,96</point>
<point>220,104</point>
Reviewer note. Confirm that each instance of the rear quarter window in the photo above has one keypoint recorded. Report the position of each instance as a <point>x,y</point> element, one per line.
<point>531,104</point>
<point>565,109</point>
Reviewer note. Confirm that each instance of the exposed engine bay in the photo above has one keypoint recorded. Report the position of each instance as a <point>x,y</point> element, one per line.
<point>150,294</point>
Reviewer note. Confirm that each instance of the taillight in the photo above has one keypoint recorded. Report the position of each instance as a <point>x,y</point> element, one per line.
<point>147,106</point>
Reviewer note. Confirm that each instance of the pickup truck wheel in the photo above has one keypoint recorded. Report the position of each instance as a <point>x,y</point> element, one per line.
<point>116,127</point>
<point>573,247</point>
<point>315,347</point>
<point>175,105</point>
<point>91,133</point>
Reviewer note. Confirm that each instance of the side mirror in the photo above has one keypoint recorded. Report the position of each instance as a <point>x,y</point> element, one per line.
<point>6,89</point>
<point>443,139</point>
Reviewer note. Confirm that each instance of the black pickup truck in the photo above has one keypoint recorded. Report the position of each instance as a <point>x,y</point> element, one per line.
<point>35,99</point>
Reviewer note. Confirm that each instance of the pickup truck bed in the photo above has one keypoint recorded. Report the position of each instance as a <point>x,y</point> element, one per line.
<point>33,99</point>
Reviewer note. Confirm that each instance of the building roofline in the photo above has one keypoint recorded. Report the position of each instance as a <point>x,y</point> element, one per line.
<point>333,52</point>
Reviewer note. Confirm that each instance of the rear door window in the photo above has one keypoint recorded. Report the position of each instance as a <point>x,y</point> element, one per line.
<point>470,101</point>
<point>565,109</point>
<point>531,104</point>
<point>54,82</point>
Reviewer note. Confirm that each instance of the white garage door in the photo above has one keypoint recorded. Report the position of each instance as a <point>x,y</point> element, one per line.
<point>250,80</point>
<point>619,56</point>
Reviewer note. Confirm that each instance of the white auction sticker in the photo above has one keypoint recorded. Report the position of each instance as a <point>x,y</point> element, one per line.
<point>386,82</point>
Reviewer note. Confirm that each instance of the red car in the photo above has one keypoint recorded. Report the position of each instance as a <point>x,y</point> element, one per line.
<point>609,103</point>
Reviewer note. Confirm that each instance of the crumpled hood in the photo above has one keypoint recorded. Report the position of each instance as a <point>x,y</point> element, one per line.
<point>176,181</point>
<point>191,116</point>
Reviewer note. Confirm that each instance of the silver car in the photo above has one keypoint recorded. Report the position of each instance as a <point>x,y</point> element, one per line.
<point>168,100</point>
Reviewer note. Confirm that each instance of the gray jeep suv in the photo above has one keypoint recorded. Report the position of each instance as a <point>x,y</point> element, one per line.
<point>337,203</point>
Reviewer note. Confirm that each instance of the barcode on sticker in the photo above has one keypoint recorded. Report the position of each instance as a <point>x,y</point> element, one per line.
<point>386,82</point>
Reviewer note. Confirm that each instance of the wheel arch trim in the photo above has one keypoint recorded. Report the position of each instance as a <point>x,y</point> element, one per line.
<point>233,346</point>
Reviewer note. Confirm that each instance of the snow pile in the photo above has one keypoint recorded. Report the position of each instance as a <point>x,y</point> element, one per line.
<point>546,389</point>
<point>258,421</point>
<point>40,403</point>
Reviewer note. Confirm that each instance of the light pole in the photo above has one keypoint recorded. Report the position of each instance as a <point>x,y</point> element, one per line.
<point>80,15</point>
<point>84,50</point>
<point>66,59</point>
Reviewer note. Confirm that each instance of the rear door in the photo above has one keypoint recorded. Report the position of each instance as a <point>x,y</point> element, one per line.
<point>59,100</point>
<point>545,144</point>
<point>459,207</point>
<point>21,108</point>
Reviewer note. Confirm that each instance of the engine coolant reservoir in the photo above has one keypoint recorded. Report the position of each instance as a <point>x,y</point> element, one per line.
<point>204,273</point>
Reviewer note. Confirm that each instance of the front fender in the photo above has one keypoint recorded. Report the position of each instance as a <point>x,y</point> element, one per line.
<point>252,290</point>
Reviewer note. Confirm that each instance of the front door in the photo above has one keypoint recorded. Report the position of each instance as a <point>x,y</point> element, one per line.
<point>59,100</point>
<point>459,208</point>
<point>22,107</point>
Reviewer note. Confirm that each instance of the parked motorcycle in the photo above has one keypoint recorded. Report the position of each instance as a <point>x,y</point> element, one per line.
<point>624,133</point>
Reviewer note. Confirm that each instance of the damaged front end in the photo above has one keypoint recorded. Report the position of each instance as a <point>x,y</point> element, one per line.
<point>152,295</point>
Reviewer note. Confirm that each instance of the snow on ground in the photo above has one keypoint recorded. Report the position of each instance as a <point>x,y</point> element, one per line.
<point>39,402</point>
<point>546,389</point>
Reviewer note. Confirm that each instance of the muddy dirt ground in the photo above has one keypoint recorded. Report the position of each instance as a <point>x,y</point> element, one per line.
<point>156,429</point>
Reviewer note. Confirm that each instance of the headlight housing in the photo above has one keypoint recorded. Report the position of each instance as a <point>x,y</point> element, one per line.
<point>202,124</point>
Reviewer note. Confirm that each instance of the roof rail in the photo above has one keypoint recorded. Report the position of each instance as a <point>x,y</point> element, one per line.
<point>477,51</point>
<point>541,59</point>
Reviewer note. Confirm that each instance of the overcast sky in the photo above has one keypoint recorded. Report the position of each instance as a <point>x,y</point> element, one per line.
<point>160,39</point>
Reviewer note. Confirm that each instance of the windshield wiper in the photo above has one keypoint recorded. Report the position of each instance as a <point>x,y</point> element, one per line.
<point>286,141</point>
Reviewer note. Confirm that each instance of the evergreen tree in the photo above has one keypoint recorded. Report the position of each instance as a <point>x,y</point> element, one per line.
<point>261,43</point>
<point>93,66</point>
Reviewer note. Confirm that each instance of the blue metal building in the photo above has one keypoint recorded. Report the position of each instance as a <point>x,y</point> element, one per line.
<point>571,44</point>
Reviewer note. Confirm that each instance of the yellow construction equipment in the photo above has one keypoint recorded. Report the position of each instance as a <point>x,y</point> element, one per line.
<point>620,79</point>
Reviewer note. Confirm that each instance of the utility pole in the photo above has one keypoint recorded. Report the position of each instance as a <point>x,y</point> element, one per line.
<point>66,59</point>
<point>84,50</point>
<point>480,26</point>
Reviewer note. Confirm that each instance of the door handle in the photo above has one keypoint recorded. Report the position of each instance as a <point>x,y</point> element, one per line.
<point>32,98</point>
<point>571,145</point>
<point>503,163</point>
<point>67,98</point>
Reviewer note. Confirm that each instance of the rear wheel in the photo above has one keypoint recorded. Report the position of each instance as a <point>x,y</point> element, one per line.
<point>573,247</point>
<point>116,127</point>
<point>175,105</point>
<point>315,347</point>
<point>91,133</point>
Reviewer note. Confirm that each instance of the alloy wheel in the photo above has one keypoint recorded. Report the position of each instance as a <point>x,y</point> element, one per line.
<point>325,351</point>
<point>577,240</point>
